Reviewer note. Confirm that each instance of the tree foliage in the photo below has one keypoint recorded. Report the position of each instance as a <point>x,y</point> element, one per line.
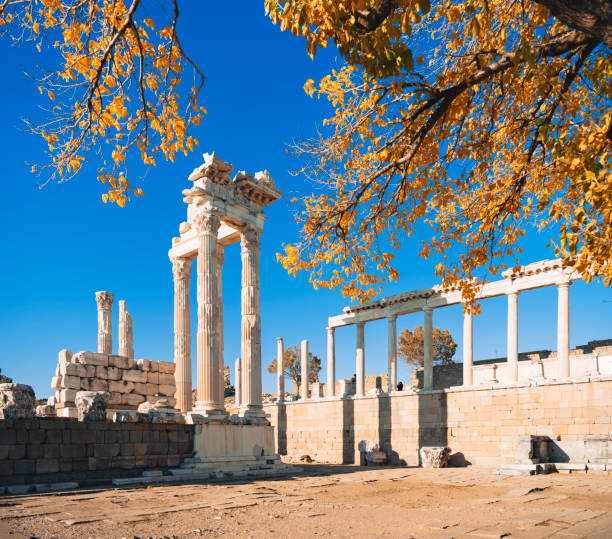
<point>410,346</point>
<point>479,118</point>
<point>293,366</point>
<point>116,88</point>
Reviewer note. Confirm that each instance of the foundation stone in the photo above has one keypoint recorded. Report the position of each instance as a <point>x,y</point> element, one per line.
<point>434,457</point>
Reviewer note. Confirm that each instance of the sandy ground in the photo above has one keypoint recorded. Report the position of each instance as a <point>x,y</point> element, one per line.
<point>328,501</point>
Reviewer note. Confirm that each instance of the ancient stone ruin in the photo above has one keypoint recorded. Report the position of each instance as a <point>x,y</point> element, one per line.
<point>127,381</point>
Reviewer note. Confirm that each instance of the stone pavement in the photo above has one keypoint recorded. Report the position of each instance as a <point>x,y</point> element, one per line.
<point>334,501</point>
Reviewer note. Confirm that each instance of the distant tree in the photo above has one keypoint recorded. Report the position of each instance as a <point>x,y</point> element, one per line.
<point>293,366</point>
<point>410,346</point>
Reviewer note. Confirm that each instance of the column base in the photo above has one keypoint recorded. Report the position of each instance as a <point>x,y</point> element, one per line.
<point>206,409</point>
<point>254,414</point>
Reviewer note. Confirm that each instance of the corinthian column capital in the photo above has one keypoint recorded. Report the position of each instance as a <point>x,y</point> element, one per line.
<point>206,223</point>
<point>249,238</point>
<point>181,267</point>
<point>104,300</point>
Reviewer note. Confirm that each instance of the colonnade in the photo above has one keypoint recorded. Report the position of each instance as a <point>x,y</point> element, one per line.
<point>210,383</point>
<point>468,347</point>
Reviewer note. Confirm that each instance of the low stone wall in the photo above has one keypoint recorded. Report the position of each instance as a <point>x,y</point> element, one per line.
<point>482,424</point>
<point>49,450</point>
<point>129,382</point>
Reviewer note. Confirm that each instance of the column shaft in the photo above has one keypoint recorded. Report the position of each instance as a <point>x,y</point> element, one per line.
<point>251,324</point>
<point>221,375</point>
<point>428,349</point>
<point>181,270</point>
<point>513,336</point>
<point>238,382</point>
<point>331,362</point>
<point>360,360</point>
<point>563,321</point>
<point>126,331</point>
<point>207,225</point>
<point>391,353</point>
<point>304,369</point>
<point>468,349</point>
<point>105,322</point>
<point>280,369</point>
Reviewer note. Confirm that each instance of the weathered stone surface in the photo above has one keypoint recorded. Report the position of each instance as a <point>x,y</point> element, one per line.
<point>166,379</point>
<point>114,399</point>
<point>91,358</point>
<point>370,453</point>
<point>94,384</point>
<point>91,405</point>
<point>132,399</point>
<point>434,457</point>
<point>152,377</point>
<point>45,410</point>
<point>167,390</point>
<point>77,369</point>
<point>56,382</point>
<point>70,382</point>
<point>66,395</point>
<point>133,375</point>
<point>166,367</point>
<point>121,362</point>
<point>16,401</point>
<point>121,386</point>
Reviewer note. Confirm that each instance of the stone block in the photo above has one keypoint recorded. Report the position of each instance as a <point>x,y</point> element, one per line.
<point>153,378</point>
<point>77,369</point>
<point>144,365</point>
<point>70,382</point>
<point>64,356</point>
<point>67,395</point>
<point>106,450</point>
<point>91,405</point>
<point>16,401</point>
<point>121,362</point>
<point>167,390</point>
<point>24,467</point>
<point>51,400</point>
<point>133,399</point>
<point>108,373</point>
<point>114,399</point>
<point>47,466</point>
<point>94,384</point>
<point>67,412</point>
<point>121,386</point>
<point>141,389</point>
<point>56,382</point>
<point>166,367</point>
<point>166,379</point>
<point>17,452</point>
<point>133,375</point>
<point>91,358</point>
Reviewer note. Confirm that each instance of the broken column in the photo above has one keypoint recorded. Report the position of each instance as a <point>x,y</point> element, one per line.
<point>16,401</point>
<point>280,372</point>
<point>238,382</point>
<point>105,326</point>
<point>126,331</point>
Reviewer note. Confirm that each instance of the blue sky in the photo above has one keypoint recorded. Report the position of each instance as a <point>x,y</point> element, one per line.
<point>61,243</point>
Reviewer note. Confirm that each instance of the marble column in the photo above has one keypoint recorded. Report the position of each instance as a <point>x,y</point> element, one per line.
<point>181,271</point>
<point>428,348</point>
<point>513,336</point>
<point>280,369</point>
<point>251,324</point>
<point>392,353</point>
<point>221,379</point>
<point>468,348</point>
<point>331,362</point>
<point>105,324</point>
<point>359,359</point>
<point>563,322</point>
<point>238,381</point>
<point>304,369</point>
<point>126,331</point>
<point>208,401</point>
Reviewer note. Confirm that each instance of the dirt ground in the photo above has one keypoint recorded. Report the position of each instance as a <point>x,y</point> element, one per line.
<point>328,501</point>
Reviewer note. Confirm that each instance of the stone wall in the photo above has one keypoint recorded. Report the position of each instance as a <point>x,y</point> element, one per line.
<point>50,450</point>
<point>130,382</point>
<point>482,424</point>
